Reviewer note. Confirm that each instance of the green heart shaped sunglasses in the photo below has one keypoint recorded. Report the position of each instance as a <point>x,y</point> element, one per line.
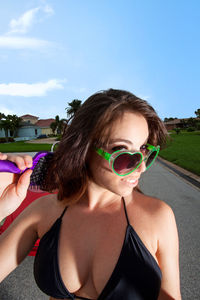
<point>126,162</point>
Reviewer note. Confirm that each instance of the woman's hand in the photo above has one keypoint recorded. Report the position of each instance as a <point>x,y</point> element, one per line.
<point>13,187</point>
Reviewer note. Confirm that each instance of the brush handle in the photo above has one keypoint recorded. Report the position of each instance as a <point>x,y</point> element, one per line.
<point>10,167</point>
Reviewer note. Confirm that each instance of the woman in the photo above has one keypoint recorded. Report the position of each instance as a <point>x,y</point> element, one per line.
<point>101,238</point>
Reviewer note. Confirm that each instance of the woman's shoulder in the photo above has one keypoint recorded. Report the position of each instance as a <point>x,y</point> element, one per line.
<point>152,208</point>
<point>152,215</point>
<point>47,209</point>
<point>46,203</point>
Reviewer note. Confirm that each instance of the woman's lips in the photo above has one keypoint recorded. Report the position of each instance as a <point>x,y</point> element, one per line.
<point>130,181</point>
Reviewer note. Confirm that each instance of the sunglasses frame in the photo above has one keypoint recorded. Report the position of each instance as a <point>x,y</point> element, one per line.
<point>111,157</point>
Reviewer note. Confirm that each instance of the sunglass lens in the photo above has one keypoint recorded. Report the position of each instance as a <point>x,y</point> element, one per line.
<point>125,162</point>
<point>151,159</point>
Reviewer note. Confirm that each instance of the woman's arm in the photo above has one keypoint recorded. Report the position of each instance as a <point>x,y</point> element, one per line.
<point>18,239</point>
<point>168,255</point>
<point>13,188</point>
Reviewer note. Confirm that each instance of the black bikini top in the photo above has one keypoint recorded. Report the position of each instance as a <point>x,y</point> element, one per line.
<point>136,275</point>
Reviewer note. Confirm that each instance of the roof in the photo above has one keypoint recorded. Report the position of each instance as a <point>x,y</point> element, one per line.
<point>178,121</point>
<point>44,122</point>
<point>173,122</point>
<point>29,116</point>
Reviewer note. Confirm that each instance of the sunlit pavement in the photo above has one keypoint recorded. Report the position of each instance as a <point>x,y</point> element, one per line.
<point>184,199</point>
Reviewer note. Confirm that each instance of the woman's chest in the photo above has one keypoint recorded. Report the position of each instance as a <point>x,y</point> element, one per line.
<point>89,251</point>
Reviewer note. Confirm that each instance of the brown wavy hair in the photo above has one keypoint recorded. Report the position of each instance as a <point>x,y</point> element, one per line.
<point>91,126</point>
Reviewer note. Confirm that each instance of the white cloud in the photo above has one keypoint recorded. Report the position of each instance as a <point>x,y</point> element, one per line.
<point>30,90</point>
<point>27,19</point>
<point>24,22</point>
<point>21,25</point>
<point>9,42</point>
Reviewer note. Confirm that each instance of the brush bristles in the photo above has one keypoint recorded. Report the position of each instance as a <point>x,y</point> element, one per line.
<point>37,180</point>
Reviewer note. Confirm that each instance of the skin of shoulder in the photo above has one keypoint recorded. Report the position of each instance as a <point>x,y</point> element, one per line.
<point>53,206</point>
<point>161,219</point>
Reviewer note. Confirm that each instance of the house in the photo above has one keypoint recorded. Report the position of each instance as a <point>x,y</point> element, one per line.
<point>170,125</point>
<point>29,119</point>
<point>28,131</point>
<point>44,124</point>
<point>2,133</point>
<point>28,128</point>
<point>178,123</point>
<point>31,127</point>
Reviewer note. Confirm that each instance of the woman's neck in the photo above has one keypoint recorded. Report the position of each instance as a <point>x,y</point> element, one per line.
<point>97,197</point>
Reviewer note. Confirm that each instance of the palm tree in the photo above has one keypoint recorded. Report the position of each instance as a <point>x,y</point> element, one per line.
<point>58,125</point>
<point>53,127</point>
<point>72,108</point>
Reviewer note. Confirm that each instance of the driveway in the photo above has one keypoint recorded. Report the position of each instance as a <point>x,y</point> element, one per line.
<point>42,141</point>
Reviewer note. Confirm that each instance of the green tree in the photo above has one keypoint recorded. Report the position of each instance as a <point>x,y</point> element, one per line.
<point>177,130</point>
<point>72,108</point>
<point>2,116</point>
<point>53,127</point>
<point>58,125</point>
<point>9,123</point>
<point>15,124</point>
<point>191,122</point>
<point>197,113</point>
<point>169,119</point>
<point>6,125</point>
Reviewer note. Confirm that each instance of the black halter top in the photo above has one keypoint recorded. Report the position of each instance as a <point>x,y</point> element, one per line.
<point>136,275</point>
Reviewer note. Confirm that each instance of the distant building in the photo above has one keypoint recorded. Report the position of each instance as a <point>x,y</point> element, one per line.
<point>2,133</point>
<point>172,124</point>
<point>31,127</point>
<point>44,124</point>
<point>29,119</point>
<point>28,131</point>
<point>177,123</point>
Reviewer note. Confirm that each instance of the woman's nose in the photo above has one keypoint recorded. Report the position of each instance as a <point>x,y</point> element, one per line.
<point>141,168</point>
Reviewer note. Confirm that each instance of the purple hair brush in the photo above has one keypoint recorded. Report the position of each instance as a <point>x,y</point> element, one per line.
<point>41,162</point>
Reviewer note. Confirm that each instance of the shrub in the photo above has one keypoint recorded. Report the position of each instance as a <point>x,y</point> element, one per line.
<point>51,135</point>
<point>198,126</point>
<point>190,129</point>
<point>58,137</point>
<point>177,130</point>
<point>3,140</point>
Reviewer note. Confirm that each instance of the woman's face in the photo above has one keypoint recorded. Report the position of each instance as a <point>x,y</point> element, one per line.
<point>130,132</point>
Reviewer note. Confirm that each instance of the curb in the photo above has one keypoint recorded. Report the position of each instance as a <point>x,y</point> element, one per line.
<point>188,176</point>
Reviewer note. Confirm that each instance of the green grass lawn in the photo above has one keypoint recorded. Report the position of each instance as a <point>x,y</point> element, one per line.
<point>24,147</point>
<point>184,150</point>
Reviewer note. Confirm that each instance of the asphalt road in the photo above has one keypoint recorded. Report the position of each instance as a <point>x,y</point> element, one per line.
<point>185,202</point>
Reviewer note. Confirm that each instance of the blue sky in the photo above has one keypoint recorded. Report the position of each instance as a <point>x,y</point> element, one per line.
<point>52,52</point>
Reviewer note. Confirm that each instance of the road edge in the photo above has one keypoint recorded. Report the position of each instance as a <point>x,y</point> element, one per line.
<point>188,176</point>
